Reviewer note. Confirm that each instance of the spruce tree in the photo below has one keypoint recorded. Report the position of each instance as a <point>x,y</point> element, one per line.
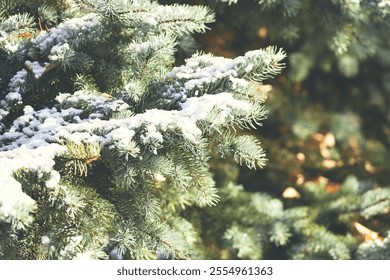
<point>327,135</point>
<point>106,149</point>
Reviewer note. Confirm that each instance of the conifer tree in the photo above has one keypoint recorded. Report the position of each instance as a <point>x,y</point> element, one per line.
<point>327,135</point>
<point>108,151</point>
<point>105,147</point>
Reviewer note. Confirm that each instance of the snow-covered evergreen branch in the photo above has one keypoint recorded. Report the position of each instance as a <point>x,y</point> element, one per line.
<point>97,157</point>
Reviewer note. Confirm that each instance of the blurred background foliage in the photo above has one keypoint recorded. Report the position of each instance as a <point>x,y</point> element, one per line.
<point>327,135</point>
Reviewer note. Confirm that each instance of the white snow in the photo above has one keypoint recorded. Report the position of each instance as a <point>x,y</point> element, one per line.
<point>54,180</point>
<point>14,85</point>
<point>15,205</point>
<point>214,68</point>
<point>50,125</point>
<point>199,108</point>
<point>121,136</point>
<point>248,68</point>
<point>64,33</point>
<point>382,4</point>
<point>201,70</point>
<point>238,83</point>
<point>36,68</point>
<point>45,240</point>
<point>28,109</point>
<point>34,139</point>
<point>34,146</point>
<point>12,46</point>
<point>3,36</point>
<point>229,1</point>
<point>139,48</point>
<point>57,52</point>
<point>13,96</point>
<point>150,20</point>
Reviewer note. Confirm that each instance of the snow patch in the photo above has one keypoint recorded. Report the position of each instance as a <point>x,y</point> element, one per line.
<point>15,205</point>
<point>36,68</point>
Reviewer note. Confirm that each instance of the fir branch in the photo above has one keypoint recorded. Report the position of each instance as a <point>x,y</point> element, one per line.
<point>374,250</point>
<point>81,156</point>
<point>17,23</point>
<point>375,202</point>
<point>244,242</point>
<point>107,171</point>
<point>182,19</point>
<point>154,53</point>
<point>205,74</point>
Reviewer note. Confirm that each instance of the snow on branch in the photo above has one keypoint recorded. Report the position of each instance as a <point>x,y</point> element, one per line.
<point>206,74</point>
<point>33,141</point>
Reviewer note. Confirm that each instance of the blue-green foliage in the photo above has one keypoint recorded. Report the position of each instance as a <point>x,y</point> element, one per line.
<point>99,154</point>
